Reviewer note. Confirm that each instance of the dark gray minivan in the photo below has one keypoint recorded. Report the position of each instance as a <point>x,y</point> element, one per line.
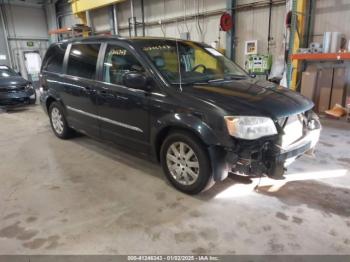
<point>181,102</point>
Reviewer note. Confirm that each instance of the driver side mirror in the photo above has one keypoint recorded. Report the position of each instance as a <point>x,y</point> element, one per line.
<point>136,80</point>
<point>19,73</point>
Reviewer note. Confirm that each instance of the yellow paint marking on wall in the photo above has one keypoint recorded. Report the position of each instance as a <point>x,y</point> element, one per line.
<point>79,6</point>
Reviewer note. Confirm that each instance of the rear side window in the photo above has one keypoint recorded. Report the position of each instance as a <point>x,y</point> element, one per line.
<point>82,60</point>
<point>54,58</point>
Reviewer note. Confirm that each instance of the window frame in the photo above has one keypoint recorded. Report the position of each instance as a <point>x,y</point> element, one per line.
<point>45,63</point>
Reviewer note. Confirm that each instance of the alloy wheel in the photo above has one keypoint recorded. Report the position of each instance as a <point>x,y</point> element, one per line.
<point>182,163</point>
<point>57,120</point>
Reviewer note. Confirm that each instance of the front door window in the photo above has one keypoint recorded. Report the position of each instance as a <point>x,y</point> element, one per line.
<point>118,62</point>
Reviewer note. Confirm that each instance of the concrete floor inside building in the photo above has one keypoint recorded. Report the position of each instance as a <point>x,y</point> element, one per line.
<point>81,196</point>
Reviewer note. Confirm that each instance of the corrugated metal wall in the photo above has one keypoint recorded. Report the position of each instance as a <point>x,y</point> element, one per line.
<point>252,23</point>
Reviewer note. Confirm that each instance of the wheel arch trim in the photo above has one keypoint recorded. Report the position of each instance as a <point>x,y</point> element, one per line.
<point>184,122</point>
<point>219,157</point>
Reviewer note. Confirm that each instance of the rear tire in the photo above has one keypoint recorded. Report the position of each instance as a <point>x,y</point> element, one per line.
<point>58,121</point>
<point>186,163</point>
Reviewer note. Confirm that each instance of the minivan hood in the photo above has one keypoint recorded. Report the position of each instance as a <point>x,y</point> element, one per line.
<point>251,97</point>
<point>13,81</point>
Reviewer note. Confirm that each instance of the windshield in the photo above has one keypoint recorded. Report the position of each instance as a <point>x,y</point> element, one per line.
<point>7,72</point>
<point>198,63</point>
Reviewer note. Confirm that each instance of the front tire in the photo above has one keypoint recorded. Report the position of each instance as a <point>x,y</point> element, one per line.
<point>58,121</point>
<point>32,100</point>
<point>186,163</point>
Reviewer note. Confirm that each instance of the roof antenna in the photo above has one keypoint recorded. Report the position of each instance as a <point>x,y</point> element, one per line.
<point>178,61</point>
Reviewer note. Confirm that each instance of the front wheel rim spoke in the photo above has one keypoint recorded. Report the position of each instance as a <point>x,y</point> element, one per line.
<point>182,149</point>
<point>193,164</point>
<point>191,173</point>
<point>172,158</point>
<point>173,167</point>
<point>187,178</point>
<point>177,173</point>
<point>189,154</point>
<point>174,150</point>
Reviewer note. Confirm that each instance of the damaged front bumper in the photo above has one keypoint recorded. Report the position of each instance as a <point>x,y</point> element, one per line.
<point>279,158</point>
<point>265,156</point>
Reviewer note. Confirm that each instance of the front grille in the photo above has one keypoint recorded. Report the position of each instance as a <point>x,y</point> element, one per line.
<point>12,89</point>
<point>14,101</point>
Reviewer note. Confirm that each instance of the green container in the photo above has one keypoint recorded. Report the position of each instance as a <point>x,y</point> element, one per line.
<point>258,64</point>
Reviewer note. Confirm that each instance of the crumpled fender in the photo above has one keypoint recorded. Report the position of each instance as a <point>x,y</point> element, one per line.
<point>220,158</point>
<point>189,122</point>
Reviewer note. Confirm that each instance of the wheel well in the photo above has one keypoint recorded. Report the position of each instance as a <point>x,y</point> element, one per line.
<point>166,131</point>
<point>49,102</point>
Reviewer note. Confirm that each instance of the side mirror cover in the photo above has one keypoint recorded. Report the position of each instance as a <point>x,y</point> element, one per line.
<point>136,80</point>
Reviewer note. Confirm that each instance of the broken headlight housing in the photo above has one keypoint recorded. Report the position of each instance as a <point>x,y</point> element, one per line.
<point>250,127</point>
<point>29,86</point>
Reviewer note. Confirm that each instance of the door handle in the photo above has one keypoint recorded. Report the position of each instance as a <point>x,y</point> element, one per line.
<point>106,94</point>
<point>90,90</point>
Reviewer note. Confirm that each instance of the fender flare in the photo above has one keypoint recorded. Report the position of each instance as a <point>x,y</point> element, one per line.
<point>51,96</point>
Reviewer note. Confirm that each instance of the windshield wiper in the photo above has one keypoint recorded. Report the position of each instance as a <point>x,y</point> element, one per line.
<point>214,80</point>
<point>235,77</point>
<point>230,78</point>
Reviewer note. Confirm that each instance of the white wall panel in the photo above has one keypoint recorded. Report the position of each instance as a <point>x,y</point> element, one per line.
<point>25,21</point>
<point>252,24</point>
<point>4,52</point>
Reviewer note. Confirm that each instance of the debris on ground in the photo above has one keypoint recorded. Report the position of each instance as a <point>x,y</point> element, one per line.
<point>337,111</point>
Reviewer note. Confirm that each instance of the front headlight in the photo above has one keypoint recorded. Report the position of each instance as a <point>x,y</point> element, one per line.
<point>250,127</point>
